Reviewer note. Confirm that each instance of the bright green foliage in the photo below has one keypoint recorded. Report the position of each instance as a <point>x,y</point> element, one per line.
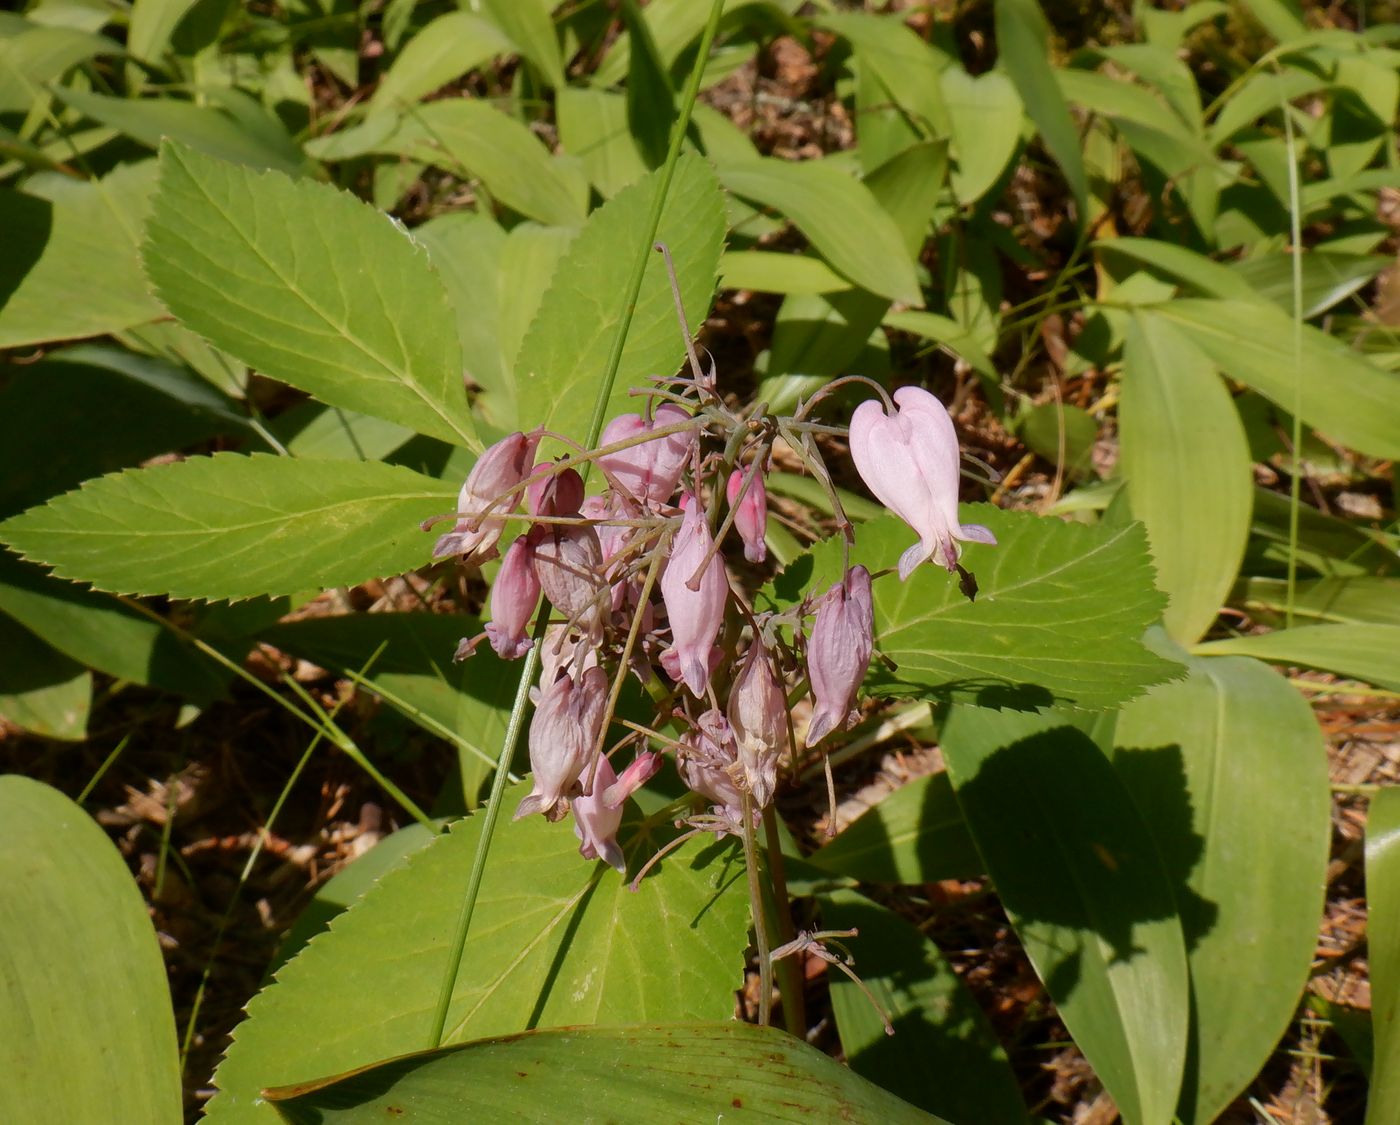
<point>86,1029</point>
<point>639,1075</point>
<point>555,941</point>
<point>1361,650</point>
<point>1076,869</point>
<point>943,1056</point>
<point>1383,932</point>
<point>1229,770</point>
<point>310,286</point>
<point>230,526</point>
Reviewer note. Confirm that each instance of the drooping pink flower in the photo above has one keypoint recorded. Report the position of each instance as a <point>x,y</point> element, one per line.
<point>838,653</point>
<point>706,760</point>
<point>695,615</point>
<point>751,516</point>
<point>650,470</point>
<point>563,732</point>
<point>500,468</point>
<point>559,494</point>
<point>909,460</point>
<point>598,816</point>
<point>569,565</point>
<point>758,714</point>
<point>514,595</point>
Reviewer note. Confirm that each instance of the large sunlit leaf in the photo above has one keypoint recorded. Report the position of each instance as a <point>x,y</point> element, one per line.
<point>86,1028</point>
<point>311,286</point>
<point>1229,769</point>
<point>230,526</point>
<point>1383,934</point>
<point>944,1056</point>
<point>566,350</point>
<point>555,940</point>
<point>985,113</point>
<point>628,1075</point>
<point>1084,886</point>
<point>1058,618</point>
<point>1188,470</point>
<point>1361,650</point>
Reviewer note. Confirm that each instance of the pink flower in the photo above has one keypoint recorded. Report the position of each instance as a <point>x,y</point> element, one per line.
<point>598,816</point>
<point>758,713</point>
<point>706,761</point>
<point>560,494</point>
<point>500,468</point>
<point>909,460</point>
<point>569,565</point>
<point>838,653</point>
<point>650,470</point>
<point>514,596</point>
<point>751,516</point>
<point>695,615</point>
<point>563,732</point>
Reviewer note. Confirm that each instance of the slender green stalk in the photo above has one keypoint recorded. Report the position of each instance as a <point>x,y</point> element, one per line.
<point>789,968</point>
<point>756,912</point>
<point>103,768</point>
<point>1295,237</point>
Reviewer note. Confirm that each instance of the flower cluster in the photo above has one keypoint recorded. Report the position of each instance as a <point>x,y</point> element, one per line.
<point>632,566</point>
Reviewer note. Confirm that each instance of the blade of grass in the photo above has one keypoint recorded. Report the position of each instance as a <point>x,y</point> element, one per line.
<point>1295,238</point>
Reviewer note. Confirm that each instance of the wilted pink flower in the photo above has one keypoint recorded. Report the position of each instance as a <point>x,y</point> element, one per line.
<point>758,714</point>
<point>569,565</point>
<point>838,653</point>
<point>909,460</point>
<point>559,494</point>
<point>751,516</point>
<point>514,595</point>
<point>651,470</point>
<point>563,732</point>
<point>500,468</point>
<point>695,615</point>
<point>706,760</point>
<point>598,816</point>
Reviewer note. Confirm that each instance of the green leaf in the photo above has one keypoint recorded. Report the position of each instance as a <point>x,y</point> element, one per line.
<point>985,113</point>
<point>308,285</point>
<point>1023,40</point>
<point>914,835</point>
<point>153,22</point>
<point>555,940</point>
<point>636,1075</point>
<point>815,338</point>
<point>839,216</point>
<point>230,526</point>
<point>951,337</point>
<point>567,347</point>
<point>651,100</point>
<point>41,690</point>
<point>1358,651</point>
<point>1326,544</point>
<point>1057,620</point>
<point>445,49</point>
<point>58,233</point>
<point>1178,264</point>
<point>1229,769</point>
<point>1352,600</point>
<point>777,272</point>
<point>1328,278</point>
<point>944,1056</point>
<point>1341,393</point>
<point>1186,461</point>
<point>527,24</point>
<point>321,432</point>
<point>593,127</point>
<point>1082,883</point>
<point>83,976</point>
<point>38,55</point>
<point>1063,434</point>
<point>900,61</point>
<point>1383,944</point>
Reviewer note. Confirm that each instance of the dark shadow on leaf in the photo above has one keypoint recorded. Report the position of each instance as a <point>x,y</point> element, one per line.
<point>28,227</point>
<point>985,691</point>
<point>561,953</point>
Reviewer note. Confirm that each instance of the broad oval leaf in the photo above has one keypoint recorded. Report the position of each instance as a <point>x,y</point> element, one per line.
<point>311,286</point>
<point>633,1075</point>
<point>555,940</point>
<point>1383,934</point>
<point>566,350</point>
<point>1188,469</point>
<point>444,49</point>
<point>86,1028</point>
<point>1082,882</point>
<point>1362,651</point>
<point>985,113</point>
<point>1229,770</point>
<point>230,526</point>
<point>840,217</point>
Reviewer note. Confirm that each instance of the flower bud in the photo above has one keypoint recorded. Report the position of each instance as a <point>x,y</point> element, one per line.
<point>650,470</point>
<point>500,468</point>
<point>560,494</point>
<point>758,714</point>
<point>597,817</point>
<point>563,731</point>
<point>909,460</point>
<point>695,615</point>
<point>838,653</point>
<point>751,516</point>
<point>514,596</point>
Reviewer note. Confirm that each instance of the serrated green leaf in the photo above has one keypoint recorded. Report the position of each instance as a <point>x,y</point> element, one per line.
<point>1188,470</point>
<point>308,285</point>
<point>1229,769</point>
<point>839,216</point>
<point>41,690</point>
<point>1058,618</point>
<point>230,526</point>
<point>944,1056</point>
<point>1383,932</point>
<point>566,349</point>
<point>555,940</point>
<point>641,1074</point>
<point>1360,651</point>
<point>1079,876</point>
<point>86,1027</point>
